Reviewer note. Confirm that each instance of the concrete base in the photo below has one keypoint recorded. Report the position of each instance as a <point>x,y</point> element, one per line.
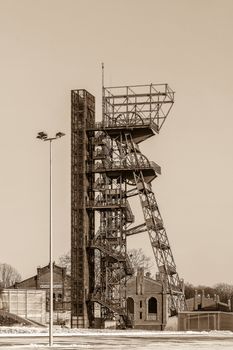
<point>109,324</point>
<point>172,324</point>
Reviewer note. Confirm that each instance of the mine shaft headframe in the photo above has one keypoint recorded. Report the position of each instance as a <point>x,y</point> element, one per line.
<point>137,105</point>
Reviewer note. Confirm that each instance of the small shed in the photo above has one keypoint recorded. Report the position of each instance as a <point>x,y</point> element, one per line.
<point>29,304</point>
<point>205,321</point>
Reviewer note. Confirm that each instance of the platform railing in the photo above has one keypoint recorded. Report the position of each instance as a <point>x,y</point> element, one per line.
<point>111,122</point>
<point>108,165</point>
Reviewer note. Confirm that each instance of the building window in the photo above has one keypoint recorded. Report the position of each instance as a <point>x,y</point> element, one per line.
<point>140,315</point>
<point>140,291</point>
<point>140,303</point>
<point>152,306</point>
<point>130,305</point>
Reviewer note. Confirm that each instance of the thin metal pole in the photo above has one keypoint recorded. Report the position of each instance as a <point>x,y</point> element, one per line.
<point>44,137</point>
<point>50,248</point>
<point>102,75</point>
<point>103,106</point>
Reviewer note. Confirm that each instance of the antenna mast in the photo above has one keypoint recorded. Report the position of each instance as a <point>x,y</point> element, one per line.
<point>103,118</point>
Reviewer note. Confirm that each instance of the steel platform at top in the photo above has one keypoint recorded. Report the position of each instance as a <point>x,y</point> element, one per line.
<point>141,108</point>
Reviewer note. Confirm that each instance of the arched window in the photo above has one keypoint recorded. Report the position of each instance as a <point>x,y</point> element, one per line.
<point>130,305</point>
<point>152,306</point>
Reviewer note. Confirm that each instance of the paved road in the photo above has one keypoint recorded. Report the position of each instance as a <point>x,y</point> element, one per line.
<point>111,342</point>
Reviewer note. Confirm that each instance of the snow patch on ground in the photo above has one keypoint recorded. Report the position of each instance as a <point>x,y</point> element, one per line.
<point>35,331</point>
<point>31,338</point>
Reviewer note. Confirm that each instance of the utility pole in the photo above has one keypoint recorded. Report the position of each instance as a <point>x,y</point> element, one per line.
<point>44,137</point>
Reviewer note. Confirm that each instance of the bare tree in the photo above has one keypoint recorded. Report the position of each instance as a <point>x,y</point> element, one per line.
<point>189,290</point>
<point>8,275</point>
<point>139,259</point>
<point>65,261</point>
<point>136,256</point>
<point>207,290</point>
<point>225,291</point>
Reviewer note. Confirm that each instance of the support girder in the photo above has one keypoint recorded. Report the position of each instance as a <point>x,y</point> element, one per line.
<point>107,168</point>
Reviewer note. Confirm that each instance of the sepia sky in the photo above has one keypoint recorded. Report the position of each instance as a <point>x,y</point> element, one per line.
<point>48,48</point>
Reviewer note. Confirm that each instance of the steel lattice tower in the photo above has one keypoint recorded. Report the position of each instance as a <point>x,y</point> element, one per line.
<point>107,169</point>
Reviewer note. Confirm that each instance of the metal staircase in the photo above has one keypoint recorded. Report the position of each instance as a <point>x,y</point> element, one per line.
<point>131,115</point>
<point>108,168</point>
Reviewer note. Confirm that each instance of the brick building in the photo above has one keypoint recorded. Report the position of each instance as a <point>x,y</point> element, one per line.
<point>205,314</point>
<point>200,302</point>
<point>146,302</point>
<point>61,290</point>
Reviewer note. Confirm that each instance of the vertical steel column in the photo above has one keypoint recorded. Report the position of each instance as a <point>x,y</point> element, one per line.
<point>50,247</point>
<point>82,223</point>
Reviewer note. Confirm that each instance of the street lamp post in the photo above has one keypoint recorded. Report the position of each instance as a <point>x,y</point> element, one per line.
<point>44,137</point>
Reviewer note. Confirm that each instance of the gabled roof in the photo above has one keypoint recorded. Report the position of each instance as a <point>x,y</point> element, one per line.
<point>56,268</point>
<point>43,270</point>
<point>146,279</point>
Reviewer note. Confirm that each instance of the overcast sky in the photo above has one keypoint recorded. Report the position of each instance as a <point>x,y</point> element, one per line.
<point>48,48</point>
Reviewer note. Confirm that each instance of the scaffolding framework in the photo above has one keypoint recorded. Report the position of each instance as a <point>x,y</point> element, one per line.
<point>82,221</point>
<point>107,169</point>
